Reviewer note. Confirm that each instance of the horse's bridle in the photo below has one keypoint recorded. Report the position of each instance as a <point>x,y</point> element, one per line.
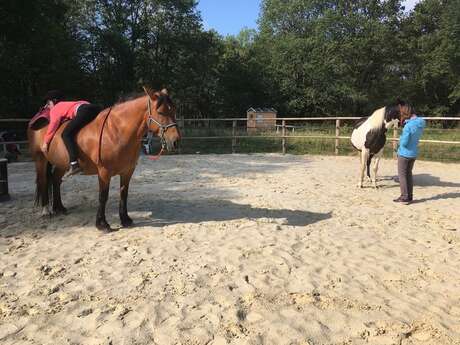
<point>162,127</point>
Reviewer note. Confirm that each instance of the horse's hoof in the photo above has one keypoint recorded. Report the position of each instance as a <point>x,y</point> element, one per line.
<point>104,227</point>
<point>60,211</point>
<point>126,222</point>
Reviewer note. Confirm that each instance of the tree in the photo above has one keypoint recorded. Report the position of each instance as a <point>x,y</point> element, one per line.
<point>37,53</point>
<point>332,57</point>
<point>432,33</point>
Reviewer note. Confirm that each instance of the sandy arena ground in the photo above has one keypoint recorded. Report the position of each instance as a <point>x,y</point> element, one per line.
<point>236,249</point>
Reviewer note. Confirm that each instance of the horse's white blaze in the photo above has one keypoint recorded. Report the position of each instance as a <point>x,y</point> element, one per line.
<point>391,124</point>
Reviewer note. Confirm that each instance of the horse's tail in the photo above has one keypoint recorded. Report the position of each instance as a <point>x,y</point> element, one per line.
<point>44,184</point>
<point>368,163</point>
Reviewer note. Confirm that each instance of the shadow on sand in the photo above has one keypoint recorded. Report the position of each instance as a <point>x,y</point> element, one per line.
<point>428,180</point>
<point>423,180</point>
<point>166,212</point>
<point>161,213</point>
<point>443,196</point>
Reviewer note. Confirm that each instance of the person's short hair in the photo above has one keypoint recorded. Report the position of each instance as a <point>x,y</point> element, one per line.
<point>54,95</point>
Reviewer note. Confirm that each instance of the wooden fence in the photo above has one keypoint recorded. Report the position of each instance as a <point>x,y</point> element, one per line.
<point>281,124</point>
<point>284,128</point>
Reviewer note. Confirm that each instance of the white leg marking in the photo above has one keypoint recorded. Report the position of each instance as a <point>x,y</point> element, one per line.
<point>45,211</point>
<point>364,156</point>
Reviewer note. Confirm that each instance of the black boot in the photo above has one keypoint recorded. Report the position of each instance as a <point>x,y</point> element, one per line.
<point>74,169</point>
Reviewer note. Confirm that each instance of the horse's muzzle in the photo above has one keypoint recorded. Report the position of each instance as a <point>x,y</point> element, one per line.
<point>172,145</point>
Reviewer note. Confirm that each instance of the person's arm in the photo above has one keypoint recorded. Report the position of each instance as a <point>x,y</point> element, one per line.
<point>55,121</point>
<point>405,136</point>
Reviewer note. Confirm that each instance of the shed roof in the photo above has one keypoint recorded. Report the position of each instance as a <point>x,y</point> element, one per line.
<point>262,110</point>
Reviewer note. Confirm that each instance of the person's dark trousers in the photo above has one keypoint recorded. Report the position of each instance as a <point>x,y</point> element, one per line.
<point>85,114</point>
<point>405,166</point>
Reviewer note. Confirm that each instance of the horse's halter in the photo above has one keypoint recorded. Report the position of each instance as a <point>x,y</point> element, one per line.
<point>162,127</point>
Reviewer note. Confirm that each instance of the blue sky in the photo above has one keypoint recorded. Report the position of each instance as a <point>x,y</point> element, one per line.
<point>228,17</point>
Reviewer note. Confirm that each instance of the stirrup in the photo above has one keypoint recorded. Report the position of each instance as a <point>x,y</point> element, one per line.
<point>72,171</point>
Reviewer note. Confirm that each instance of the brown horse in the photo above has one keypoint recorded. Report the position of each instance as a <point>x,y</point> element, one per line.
<point>110,145</point>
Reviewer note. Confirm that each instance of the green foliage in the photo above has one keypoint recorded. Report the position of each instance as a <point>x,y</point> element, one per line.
<point>432,34</point>
<point>308,58</point>
<point>36,47</point>
<point>333,57</point>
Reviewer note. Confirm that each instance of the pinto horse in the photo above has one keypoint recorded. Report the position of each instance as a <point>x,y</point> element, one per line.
<point>369,137</point>
<point>108,146</point>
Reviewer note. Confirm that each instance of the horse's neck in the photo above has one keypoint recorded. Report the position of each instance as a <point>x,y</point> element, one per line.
<point>130,118</point>
<point>376,119</point>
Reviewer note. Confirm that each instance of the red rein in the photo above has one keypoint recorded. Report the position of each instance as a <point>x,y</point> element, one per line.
<point>157,157</point>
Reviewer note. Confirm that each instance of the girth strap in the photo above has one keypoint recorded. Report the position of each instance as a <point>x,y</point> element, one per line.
<point>99,157</point>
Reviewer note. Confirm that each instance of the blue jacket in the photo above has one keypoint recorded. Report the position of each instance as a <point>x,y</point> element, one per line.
<point>408,141</point>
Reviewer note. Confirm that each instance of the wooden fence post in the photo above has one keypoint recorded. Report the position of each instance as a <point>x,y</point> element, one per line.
<point>395,143</point>
<point>4,196</point>
<point>283,132</point>
<point>337,134</point>
<point>181,123</point>
<point>233,136</point>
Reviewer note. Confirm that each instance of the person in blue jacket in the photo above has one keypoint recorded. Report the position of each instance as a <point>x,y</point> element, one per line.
<point>408,152</point>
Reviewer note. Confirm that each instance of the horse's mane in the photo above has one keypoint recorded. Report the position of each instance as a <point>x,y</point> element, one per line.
<point>163,98</point>
<point>377,117</point>
<point>391,111</point>
<point>387,113</point>
<point>129,97</point>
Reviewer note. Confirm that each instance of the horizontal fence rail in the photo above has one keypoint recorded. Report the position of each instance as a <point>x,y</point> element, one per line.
<point>280,130</point>
<point>283,131</point>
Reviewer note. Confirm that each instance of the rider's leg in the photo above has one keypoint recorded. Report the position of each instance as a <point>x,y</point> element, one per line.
<point>85,114</point>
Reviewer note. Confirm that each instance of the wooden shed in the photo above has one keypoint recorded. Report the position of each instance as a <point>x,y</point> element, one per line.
<point>261,119</point>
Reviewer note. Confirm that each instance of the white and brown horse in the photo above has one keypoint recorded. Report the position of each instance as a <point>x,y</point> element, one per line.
<point>369,137</point>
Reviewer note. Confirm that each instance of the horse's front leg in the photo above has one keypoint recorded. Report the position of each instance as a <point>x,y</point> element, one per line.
<point>126,221</point>
<point>58,207</point>
<point>104,185</point>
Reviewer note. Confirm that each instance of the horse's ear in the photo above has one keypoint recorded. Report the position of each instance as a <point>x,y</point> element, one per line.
<point>164,91</point>
<point>152,94</point>
<point>399,101</point>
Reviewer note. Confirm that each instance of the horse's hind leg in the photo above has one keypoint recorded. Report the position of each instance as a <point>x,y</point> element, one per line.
<point>375,167</point>
<point>123,208</point>
<point>104,185</point>
<point>42,193</point>
<point>364,155</point>
<point>58,207</point>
